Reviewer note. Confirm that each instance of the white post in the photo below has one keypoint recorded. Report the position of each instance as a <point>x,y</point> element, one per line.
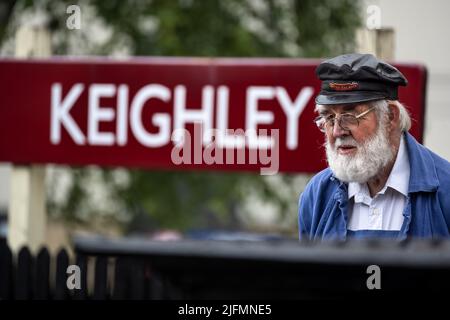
<point>27,214</point>
<point>379,42</point>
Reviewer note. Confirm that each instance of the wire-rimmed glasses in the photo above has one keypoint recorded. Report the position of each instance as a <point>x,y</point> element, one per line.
<point>346,121</point>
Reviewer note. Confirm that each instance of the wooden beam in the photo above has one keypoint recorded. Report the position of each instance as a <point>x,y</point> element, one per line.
<point>27,205</point>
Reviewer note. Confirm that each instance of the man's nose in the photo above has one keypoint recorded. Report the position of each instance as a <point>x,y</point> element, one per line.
<point>338,131</point>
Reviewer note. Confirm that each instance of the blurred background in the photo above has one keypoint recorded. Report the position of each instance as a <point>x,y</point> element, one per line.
<point>164,204</point>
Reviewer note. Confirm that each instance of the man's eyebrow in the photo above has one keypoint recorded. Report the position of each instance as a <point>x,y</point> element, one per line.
<point>345,108</point>
<point>324,112</point>
<point>350,107</point>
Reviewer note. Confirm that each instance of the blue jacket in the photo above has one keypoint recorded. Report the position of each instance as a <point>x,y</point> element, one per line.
<point>323,205</point>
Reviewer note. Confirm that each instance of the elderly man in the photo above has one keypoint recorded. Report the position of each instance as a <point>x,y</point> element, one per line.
<point>380,182</point>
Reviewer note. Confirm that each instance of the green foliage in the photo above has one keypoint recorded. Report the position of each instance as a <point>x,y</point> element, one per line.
<point>210,28</point>
<point>177,198</point>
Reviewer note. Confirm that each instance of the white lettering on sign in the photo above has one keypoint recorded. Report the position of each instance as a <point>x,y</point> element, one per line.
<point>293,111</point>
<point>128,113</point>
<point>203,115</point>
<point>223,139</point>
<point>254,117</point>
<point>96,114</point>
<point>60,114</point>
<point>122,116</point>
<point>160,120</point>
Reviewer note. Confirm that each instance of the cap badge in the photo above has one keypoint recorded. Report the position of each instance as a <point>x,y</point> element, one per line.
<point>344,86</point>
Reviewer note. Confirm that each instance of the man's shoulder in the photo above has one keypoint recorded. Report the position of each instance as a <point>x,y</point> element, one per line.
<point>440,162</point>
<point>442,167</point>
<point>322,176</point>
<point>320,181</point>
<point>427,162</point>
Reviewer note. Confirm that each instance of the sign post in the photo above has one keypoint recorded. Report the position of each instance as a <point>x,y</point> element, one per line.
<point>379,42</point>
<point>27,213</point>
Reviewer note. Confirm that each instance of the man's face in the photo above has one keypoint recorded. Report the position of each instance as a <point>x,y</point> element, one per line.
<point>367,127</point>
<point>358,152</point>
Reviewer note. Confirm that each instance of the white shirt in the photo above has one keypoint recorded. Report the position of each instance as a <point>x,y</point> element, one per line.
<point>385,210</point>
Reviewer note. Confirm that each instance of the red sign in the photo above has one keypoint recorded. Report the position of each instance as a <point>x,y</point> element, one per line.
<point>141,112</point>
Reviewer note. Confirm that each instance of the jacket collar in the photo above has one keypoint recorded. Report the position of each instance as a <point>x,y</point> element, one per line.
<point>423,172</point>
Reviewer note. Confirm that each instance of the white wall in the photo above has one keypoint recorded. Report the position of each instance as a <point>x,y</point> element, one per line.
<point>422,34</point>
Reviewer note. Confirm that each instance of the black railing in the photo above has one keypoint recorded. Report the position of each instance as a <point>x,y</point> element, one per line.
<point>28,277</point>
<point>188,269</point>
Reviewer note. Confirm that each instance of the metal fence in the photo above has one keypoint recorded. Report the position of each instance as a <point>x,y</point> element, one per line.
<point>187,269</point>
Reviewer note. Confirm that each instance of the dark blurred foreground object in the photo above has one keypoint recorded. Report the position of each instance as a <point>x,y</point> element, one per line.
<point>192,269</point>
<point>3,225</point>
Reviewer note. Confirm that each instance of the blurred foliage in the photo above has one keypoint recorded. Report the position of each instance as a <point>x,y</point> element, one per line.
<point>239,28</point>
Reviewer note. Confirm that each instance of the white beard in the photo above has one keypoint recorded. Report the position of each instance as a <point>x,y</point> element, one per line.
<point>370,157</point>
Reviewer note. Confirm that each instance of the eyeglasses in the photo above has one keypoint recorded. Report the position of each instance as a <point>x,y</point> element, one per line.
<point>346,121</point>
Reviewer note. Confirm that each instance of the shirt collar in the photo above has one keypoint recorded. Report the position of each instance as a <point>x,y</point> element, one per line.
<point>358,190</point>
<point>398,178</point>
<point>354,188</point>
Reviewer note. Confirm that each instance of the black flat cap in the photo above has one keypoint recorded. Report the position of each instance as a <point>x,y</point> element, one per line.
<point>354,77</point>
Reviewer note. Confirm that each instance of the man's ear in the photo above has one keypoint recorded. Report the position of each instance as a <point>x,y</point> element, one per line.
<point>394,115</point>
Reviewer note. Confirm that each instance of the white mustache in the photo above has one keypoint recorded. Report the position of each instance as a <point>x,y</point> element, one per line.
<point>347,141</point>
